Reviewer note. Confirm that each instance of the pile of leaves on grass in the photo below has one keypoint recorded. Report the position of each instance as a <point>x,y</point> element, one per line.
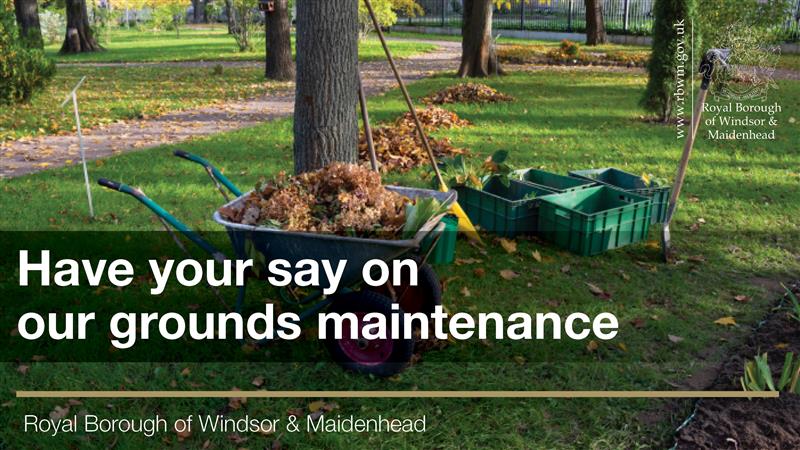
<point>467,93</point>
<point>341,199</point>
<point>398,146</point>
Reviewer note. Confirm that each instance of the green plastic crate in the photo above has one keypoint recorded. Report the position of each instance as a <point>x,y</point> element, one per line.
<point>503,210</point>
<point>593,220</point>
<point>630,183</point>
<point>553,181</point>
<point>445,250</point>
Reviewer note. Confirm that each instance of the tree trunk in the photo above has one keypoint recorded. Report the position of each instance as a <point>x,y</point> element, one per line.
<point>478,58</point>
<point>197,11</point>
<point>325,119</point>
<point>79,37</point>
<point>229,15</point>
<point>595,28</point>
<point>279,44</point>
<point>27,12</point>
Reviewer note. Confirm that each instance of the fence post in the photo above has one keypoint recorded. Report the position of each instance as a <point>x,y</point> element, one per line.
<point>625,18</point>
<point>521,14</point>
<point>444,11</point>
<point>569,16</point>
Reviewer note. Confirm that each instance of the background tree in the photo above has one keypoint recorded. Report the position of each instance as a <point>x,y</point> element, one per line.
<point>595,28</point>
<point>662,67</point>
<point>23,70</point>
<point>79,37</point>
<point>244,16</point>
<point>27,13</point>
<point>279,64</point>
<point>478,58</point>
<point>325,119</point>
<point>386,13</point>
<point>168,14</point>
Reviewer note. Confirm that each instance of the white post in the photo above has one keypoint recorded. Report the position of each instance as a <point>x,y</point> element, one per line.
<point>74,96</point>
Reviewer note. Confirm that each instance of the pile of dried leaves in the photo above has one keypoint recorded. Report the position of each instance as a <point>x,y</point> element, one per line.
<point>467,93</point>
<point>343,199</point>
<point>398,146</point>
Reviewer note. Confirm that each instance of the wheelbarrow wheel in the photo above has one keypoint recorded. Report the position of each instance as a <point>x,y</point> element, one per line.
<point>423,297</point>
<point>379,357</point>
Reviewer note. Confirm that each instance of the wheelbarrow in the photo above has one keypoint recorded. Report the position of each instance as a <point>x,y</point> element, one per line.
<point>380,357</point>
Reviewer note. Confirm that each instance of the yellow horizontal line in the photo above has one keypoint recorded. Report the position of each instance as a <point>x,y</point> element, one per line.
<point>396,394</point>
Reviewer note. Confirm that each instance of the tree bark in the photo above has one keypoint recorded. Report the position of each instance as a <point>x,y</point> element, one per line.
<point>595,28</point>
<point>478,58</point>
<point>279,64</point>
<point>79,37</point>
<point>325,119</point>
<point>198,6</point>
<point>229,15</point>
<point>27,12</point>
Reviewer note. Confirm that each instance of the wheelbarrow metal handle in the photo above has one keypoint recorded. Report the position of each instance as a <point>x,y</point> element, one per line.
<point>163,214</point>
<point>213,171</point>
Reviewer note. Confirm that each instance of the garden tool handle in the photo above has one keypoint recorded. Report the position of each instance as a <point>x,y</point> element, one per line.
<point>406,96</point>
<point>109,184</point>
<point>687,152</point>
<point>215,174</point>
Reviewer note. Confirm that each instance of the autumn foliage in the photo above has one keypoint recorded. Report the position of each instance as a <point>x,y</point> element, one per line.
<point>398,146</point>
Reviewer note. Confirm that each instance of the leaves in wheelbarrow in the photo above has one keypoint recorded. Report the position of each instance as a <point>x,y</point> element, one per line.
<point>341,199</point>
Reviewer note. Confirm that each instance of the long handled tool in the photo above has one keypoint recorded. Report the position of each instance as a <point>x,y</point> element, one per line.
<point>464,224</point>
<point>362,101</point>
<point>710,59</point>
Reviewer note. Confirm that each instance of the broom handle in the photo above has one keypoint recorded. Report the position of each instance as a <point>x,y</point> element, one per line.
<point>362,100</point>
<point>687,152</point>
<point>407,97</point>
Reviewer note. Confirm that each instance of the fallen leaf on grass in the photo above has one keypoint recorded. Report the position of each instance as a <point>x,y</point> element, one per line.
<point>741,298</point>
<point>465,292</point>
<point>479,272</point>
<point>463,261</point>
<point>624,276</point>
<point>566,268</point>
<point>623,347</point>
<point>536,255</point>
<point>508,274</point>
<point>638,322</point>
<point>519,360</point>
<point>508,245</point>
<point>674,339</point>
<point>781,346</point>
<point>696,258</point>
<point>592,346</point>
<point>598,291</point>
<point>258,381</point>
<point>236,402</point>
<point>726,321</point>
<point>59,412</point>
<point>23,369</point>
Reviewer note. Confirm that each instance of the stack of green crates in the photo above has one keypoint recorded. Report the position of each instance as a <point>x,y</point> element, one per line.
<point>507,211</point>
<point>630,183</point>
<point>552,181</point>
<point>592,220</point>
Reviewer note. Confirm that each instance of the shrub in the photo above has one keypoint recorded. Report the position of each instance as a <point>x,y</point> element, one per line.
<point>662,67</point>
<point>22,70</point>
<point>53,24</point>
<point>570,48</point>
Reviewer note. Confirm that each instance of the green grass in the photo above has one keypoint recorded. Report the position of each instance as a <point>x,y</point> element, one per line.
<point>747,192</point>
<point>114,93</point>
<point>200,44</point>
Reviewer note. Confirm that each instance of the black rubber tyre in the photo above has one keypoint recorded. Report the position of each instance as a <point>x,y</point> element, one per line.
<point>423,297</point>
<point>382,358</point>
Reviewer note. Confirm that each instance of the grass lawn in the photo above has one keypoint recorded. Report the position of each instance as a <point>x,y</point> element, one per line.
<point>746,192</point>
<point>200,44</point>
<point>114,93</point>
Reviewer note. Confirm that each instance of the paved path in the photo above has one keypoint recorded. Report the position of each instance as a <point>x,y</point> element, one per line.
<point>30,155</point>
